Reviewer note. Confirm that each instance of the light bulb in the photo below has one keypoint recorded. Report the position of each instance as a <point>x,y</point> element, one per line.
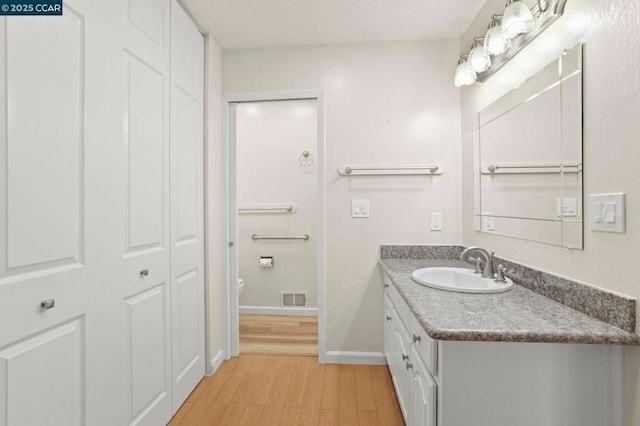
<point>495,43</point>
<point>478,60</point>
<point>517,19</point>
<point>464,75</point>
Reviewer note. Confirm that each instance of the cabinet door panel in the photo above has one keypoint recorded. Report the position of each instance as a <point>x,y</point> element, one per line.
<point>424,393</point>
<point>400,359</point>
<point>387,328</point>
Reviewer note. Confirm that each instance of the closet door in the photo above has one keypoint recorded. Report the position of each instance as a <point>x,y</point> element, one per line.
<point>145,246</point>
<point>60,329</point>
<point>187,208</point>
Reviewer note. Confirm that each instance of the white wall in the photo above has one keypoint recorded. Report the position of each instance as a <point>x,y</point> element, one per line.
<point>270,138</point>
<point>216,210</point>
<point>611,150</point>
<point>386,103</point>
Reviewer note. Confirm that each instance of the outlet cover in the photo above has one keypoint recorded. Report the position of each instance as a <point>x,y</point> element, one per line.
<point>436,221</point>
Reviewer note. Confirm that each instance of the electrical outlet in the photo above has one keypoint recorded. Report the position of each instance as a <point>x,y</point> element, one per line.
<point>436,221</point>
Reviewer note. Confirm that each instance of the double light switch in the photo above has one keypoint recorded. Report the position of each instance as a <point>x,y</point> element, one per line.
<point>607,212</point>
<point>360,208</point>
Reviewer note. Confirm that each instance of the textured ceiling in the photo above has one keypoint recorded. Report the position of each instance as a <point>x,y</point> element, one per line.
<point>268,23</point>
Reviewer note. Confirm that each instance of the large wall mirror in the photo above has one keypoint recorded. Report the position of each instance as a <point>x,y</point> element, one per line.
<point>528,158</point>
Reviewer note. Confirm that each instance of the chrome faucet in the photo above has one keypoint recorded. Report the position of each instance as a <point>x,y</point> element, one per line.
<point>487,271</point>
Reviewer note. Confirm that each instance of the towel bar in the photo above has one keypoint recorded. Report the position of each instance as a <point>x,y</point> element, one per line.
<point>256,237</point>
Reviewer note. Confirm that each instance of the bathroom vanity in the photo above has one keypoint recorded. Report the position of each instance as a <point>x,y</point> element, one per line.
<point>512,358</point>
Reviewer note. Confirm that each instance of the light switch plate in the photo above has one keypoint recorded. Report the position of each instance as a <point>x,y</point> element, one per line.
<point>567,207</point>
<point>607,212</point>
<point>436,221</point>
<point>360,208</point>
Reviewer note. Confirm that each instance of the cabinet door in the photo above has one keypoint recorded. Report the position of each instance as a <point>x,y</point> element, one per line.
<point>424,393</point>
<point>400,357</point>
<point>187,205</point>
<point>60,170</point>
<point>387,328</point>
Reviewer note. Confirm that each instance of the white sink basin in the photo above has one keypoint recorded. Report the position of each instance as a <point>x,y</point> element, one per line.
<point>461,280</point>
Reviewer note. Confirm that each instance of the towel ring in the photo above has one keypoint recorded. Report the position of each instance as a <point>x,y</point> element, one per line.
<point>305,159</point>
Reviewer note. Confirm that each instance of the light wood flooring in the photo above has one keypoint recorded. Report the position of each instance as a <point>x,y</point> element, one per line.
<point>291,390</point>
<point>278,335</point>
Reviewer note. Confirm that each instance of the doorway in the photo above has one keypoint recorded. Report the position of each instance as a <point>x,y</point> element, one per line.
<point>276,224</point>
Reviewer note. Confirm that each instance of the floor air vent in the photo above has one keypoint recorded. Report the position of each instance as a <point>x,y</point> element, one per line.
<point>291,299</point>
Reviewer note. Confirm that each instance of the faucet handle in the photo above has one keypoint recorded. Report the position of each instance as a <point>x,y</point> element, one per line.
<point>478,262</point>
<point>500,274</point>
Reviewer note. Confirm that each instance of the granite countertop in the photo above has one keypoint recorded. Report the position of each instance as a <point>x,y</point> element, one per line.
<point>518,315</point>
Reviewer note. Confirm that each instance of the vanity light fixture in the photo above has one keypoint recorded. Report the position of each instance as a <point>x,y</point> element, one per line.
<point>478,60</point>
<point>506,35</point>
<point>464,76</point>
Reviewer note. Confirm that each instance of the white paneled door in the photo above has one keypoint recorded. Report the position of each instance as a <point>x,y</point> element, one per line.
<point>187,205</point>
<point>60,336</point>
<point>146,222</point>
<point>101,214</point>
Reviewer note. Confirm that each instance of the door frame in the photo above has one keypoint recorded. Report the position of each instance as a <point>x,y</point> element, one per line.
<point>231,294</point>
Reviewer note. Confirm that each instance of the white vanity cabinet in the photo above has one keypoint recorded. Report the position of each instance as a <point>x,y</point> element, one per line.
<point>409,356</point>
<point>481,383</point>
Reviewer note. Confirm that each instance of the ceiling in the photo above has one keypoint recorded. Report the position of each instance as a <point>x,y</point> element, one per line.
<point>237,24</point>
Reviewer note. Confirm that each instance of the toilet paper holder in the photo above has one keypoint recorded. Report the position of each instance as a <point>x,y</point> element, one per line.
<point>266,262</point>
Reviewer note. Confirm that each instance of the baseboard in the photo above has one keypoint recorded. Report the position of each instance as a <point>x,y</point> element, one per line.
<point>274,310</point>
<point>366,358</point>
<point>216,361</point>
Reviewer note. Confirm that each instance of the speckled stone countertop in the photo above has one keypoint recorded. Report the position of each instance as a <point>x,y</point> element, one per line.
<point>518,315</point>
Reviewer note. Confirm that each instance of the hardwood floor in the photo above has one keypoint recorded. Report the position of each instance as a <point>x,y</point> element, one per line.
<point>279,335</point>
<point>291,390</point>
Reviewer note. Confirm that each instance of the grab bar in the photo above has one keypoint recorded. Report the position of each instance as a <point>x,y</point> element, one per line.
<point>289,208</point>
<point>389,170</point>
<point>256,237</point>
